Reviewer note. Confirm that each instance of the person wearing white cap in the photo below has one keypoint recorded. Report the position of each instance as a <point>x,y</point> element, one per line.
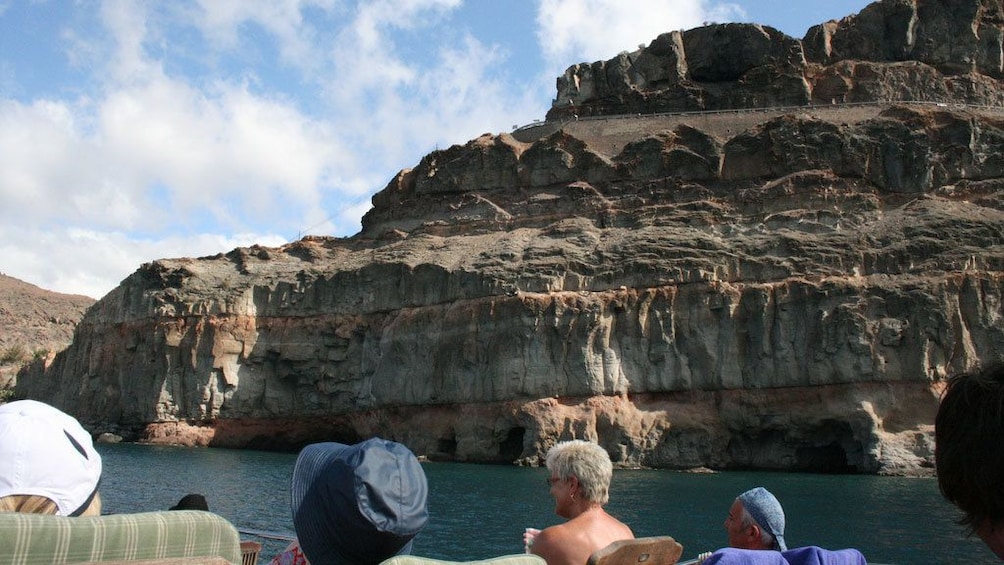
<point>756,521</point>
<point>48,464</point>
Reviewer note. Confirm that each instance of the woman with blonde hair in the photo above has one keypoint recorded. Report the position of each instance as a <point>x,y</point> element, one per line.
<point>579,482</point>
<point>48,464</point>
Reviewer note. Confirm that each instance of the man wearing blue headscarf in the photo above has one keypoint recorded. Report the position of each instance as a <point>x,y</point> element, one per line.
<point>755,527</point>
<point>756,521</point>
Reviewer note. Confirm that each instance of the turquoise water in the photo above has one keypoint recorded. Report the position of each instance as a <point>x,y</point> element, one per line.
<point>480,511</point>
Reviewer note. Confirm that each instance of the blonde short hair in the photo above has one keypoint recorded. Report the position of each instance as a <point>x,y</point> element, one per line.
<point>35,504</point>
<point>587,462</point>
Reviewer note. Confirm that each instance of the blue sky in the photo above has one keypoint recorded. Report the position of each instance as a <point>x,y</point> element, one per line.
<point>137,130</point>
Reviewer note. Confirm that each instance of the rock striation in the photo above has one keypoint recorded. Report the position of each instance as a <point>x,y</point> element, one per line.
<point>894,50</point>
<point>778,289</point>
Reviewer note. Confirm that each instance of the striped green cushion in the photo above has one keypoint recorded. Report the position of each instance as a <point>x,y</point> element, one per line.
<point>33,538</point>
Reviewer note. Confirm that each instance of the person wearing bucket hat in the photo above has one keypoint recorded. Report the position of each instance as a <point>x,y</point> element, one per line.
<point>192,501</point>
<point>356,504</point>
<point>756,521</point>
<point>48,464</point>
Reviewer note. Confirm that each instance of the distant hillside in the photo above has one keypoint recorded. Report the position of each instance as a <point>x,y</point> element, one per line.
<point>33,319</point>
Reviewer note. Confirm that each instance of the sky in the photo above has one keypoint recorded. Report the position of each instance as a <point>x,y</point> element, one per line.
<point>134,130</point>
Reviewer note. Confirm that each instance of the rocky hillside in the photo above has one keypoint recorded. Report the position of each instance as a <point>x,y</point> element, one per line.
<point>34,322</point>
<point>778,288</point>
<point>896,50</point>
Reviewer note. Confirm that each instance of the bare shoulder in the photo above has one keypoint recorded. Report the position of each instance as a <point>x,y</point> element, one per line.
<point>621,528</point>
<point>553,535</point>
<point>554,544</point>
<point>601,521</point>
<point>572,542</point>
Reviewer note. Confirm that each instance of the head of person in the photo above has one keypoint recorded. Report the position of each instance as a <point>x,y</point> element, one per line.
<point>357,504</point>
<point>48,464</point>
<point>191,502</point>
<point>756,521</point>
<point>582,468</point>
<point>969,453</point>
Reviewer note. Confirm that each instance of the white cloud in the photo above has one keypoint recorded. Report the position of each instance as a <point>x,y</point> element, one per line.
<point>349,216</point>
<point>451,91</point>
<point>228,152</point>
<point>127,22</point>
<point>90,262</point>
<point>574,31</point>
<point>45,162</point>
<point>297,38</point>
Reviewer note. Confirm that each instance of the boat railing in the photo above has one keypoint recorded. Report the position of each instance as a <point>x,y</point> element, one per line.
<point>281,536</point>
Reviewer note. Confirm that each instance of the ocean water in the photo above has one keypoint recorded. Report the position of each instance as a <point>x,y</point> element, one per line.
<point>480,511</point>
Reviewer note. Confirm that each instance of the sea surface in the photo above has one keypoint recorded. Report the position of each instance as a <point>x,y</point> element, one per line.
<point>480,511</point>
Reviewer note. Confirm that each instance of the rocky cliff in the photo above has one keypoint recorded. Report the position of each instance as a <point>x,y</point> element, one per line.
<point>33,323</point>
<point>903,50</point>
<point>779,289</point>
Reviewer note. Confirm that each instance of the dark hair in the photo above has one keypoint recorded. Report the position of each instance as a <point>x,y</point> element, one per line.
<point>191,502</point>
<point>969,446</point>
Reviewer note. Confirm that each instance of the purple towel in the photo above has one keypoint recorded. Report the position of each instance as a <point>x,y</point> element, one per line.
<point>812,555</point>
<point>732,556</point>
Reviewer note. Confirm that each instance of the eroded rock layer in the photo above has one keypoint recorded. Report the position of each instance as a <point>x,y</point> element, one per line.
<point>894,50</point>
<point>784,290</point>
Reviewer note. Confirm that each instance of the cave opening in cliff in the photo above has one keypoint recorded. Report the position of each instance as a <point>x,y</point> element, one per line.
<point>511,448</point>
<point>828,448</point>
<point>447,447</point>
<point>292,441</point>
<point>830,458</point>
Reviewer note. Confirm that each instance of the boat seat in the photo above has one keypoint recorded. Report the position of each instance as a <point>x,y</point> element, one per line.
<point>655,550</point>
<point>249,552</point>
<point>181,536</point>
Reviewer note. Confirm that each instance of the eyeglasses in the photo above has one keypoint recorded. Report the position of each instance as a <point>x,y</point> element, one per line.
<point>552,480</point>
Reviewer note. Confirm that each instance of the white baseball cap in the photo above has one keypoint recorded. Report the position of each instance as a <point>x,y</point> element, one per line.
<point>46,452</point>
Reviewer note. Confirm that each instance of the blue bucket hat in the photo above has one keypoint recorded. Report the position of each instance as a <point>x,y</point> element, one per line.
<point>765,509</point>
<point>357,504</point>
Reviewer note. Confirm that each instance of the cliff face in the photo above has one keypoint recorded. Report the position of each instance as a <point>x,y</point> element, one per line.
<point>781,289</point>
<point>903,50</point>
<point>35,323</point>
